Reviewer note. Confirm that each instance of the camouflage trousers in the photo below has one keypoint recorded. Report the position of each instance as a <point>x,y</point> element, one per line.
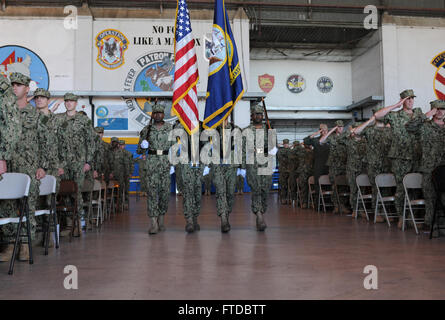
<point>75,173</point>
<point>224,180</point>
<point>142,178</point>
<point>127,189</point>
<point>208,182</point>
<point>293,184</point>
<point>260,185</point>
<point>400,167</point>
<point>9,208</point>
<point>352,175</point>
<point>304,188</point>
<point>284,187</point>
<point>333,172</point>
<point>430,197</point>
<point>192,182</point>
<point>239,183</point>
<point>179,184</point>
<point>158,185</point>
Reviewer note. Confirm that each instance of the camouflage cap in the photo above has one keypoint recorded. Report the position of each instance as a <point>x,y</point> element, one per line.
<point>40,92</point>
<point>356,124</point>
<point>99,129</point>
<point>114,139</point>
<point>296,142</point>
<point>339,123</point>
<point>257,108</point>
<point>70,96</point>
<point>157,108</point>
<point>122,142</point>
<point>4,84</point>
<point>286,141</point>
<point>407,93</point>
<point>437,104</point>
<point>17,77</point>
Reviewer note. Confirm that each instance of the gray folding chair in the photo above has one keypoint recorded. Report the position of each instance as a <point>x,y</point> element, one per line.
<point>412,181</point>
<point>385,180</point>
<point>96,202</point>
<point>15,186</point>
<point>362,182</point>
<point>311,191</point>
<point>87,189</point>
<point>341,181</point>
<point>323,183</point>
<point>299,201</point>
<point>48,188</point>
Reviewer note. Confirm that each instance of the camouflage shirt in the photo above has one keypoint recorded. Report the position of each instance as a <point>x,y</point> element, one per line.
<point>283,158</point>
<point>77,143</point>
<point>356,155</point>
<point>10,124</point>
<point>338,150</point>
<point>378,144</point>
<point>32,150</point>
<point>432,138</point>
<point>403,145</point>
<point>158,139</point>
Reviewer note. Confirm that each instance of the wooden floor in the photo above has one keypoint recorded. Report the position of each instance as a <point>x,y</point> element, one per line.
<point>301,255</point>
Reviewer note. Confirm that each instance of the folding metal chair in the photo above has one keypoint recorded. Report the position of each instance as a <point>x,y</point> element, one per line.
<point>311,191</point>
<point>299,201</point>
<point>341,181</point>
<point>103,190</point>
<point>68,188</point>
<point>96,202</point>
<point>438,178</point>
<point>87,189</point>
<point>412,181</point>
<point>111,197</point>
<point>323,181</point>
<point>362,182</point>
<point>48,188</point>
<point>15,186</point>
<point>385,180</point>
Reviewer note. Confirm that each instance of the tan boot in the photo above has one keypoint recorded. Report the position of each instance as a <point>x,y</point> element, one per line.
<point>6,254</point>
<point>260,224</point>
<point>379,219</point>
<point>400,223</point>
<point>24,252</point>
<point>189,226</point>
<point>161,223</point>
<point>225,226</point>
<point>154,228</point>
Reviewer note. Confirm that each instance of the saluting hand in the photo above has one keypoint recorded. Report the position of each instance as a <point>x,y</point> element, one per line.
<point>40,174</point>
<point>3,167</point>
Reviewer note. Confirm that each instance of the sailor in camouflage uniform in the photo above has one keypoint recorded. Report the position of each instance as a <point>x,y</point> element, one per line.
<point>10,133</point>
<point>402,150</point>
<point>30,156</point>
<point>258,179</point>
<point>129,168</point>
<point>337,159</point>
<point>154,142</point>
<point>356,163</point>
<point>76,147</point>
<point>191,173</point>
<point>224,178</point>
<point>431,134</point>
<point>378,143</point>
<point>284,169</point>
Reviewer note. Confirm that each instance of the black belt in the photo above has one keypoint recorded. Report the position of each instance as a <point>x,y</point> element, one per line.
<point>158,152</point>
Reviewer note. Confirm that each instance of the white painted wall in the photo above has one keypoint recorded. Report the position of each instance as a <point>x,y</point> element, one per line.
<point>407,56</point>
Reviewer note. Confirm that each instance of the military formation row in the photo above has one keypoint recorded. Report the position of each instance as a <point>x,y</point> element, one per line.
<point>398,142</point>
<point>36,142</point>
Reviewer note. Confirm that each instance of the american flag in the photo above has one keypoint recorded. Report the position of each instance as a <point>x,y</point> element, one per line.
<point>185,97</point>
